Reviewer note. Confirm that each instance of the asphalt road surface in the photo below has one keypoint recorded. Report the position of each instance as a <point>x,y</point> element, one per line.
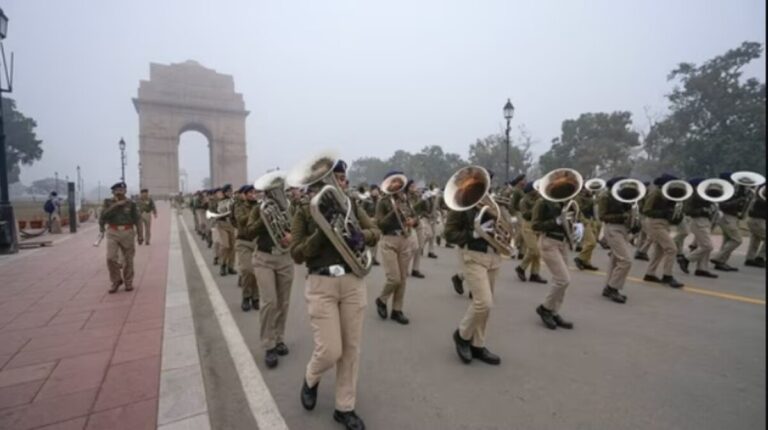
<point>667,359</point>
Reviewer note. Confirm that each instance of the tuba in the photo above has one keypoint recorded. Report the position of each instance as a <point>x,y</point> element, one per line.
<point>469,187</point>
<point>562,185</point>
<point>715,191</point>
<point>274,207</point>
<point>677,191</point>
<point>630,191</point>
<point>761,192</point>
<point>750,181</point>
<point>332,210</point>
<point>390,186</point>
<point>595,185</point>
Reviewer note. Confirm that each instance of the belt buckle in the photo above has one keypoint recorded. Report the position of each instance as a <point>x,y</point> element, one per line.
<point>336,270</point>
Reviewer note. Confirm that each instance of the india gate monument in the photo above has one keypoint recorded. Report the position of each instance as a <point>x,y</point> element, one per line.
<point>189,97</point>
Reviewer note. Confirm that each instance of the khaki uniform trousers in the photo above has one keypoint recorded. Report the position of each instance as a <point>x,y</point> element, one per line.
<point>756,238</point>
<point>589,241</point>
<point>421,240</point>
<point>701,227</point>
<point>555,255</point>
<point>683,230</point>
<point>621,261</point>
<point>532,256</point>
<point>55,224</point>
<point>396,254</point>
<point>226,243</point>
<point>146,226</point>
<point>663,246</point>
<point>336,308</point>
<point>274,274</point>
<point>480,272</point>
<point>120,242</point>
<point>200,221</point>
<point>244,249</point>
<point>519,240</point>
<point>431,235</point>
<point>729,224</point>
<point>643,240</point>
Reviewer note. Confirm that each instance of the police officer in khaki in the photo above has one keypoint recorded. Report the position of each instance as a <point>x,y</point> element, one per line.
<point>119,217</point>
<point>336,302</point>
<point>756,224</point>
<point>396,248</point>
<point>226,232</point>
<point>729,224</point>
<point>698,214</point>
<point>147,210</point>
<point>421,210</point>
<point>586,202</point>
<point>615,216</point>
<point>245,245</point>
<point>274,273</point>
<point>659,214</point>
<point>532,256</point>
<point>515,194</point>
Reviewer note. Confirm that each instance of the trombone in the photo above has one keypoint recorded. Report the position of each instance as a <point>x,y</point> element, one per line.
<point>562,185</point>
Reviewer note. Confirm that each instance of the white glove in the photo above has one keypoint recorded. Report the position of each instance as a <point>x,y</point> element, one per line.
<point>578,232</point>
<point>487,226</point>
<point>559,220</point>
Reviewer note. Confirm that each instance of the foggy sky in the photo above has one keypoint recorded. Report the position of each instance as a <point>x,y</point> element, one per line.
<point>363,77</point>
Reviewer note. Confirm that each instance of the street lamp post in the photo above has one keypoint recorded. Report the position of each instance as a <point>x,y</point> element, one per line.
<point>121,144</point>
<point>56,182</point>
<point>509,111</point>
<point>8,240</point>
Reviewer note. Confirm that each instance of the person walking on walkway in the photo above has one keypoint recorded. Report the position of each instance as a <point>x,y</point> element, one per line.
<point>119,218</point>
<point>147,210</point>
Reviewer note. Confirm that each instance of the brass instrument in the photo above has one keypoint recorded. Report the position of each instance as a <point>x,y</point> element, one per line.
<point>595,185</point>
<point>715,191</point>
<point>468,188</point>
<point>630,191</point>
<point>332,210</point>
<point>761,192</point>
<point>391,186</point>
<point>562,185</point>
<point>677,191</point>
<point>274,207</point>
<point>750,181</point>
<point>224,209</point>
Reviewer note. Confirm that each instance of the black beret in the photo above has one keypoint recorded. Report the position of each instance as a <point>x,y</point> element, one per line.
<point>246,188</point>
<point>144,190</point>
<point>726,176</point>
<point>516,180</point>
<point>393,172</point>
<point>374,187</point>
<point>695,181</point>
<point>663,179</point>
<point>226,187</point>
<point>340,166</point>
<point>611,182</point>
<point>528,187</point>
<point>118,185</point>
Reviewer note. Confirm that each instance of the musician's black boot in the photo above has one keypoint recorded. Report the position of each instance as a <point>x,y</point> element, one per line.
<point>255,303</point>
<point>546,317</point>
<point>642,256</point>
<point>520,273</point>
<point>417,274</point>
<point>579,264</point>
<point>246,305</point>
<point>350,420</point>
<point>535,277</point>
<point>223,270</point>
<point>309,396</point>
<point>458,284</point>
<point>705,274</point>
<point>683,263</point>
<point>561,322</point>
<point>463,348</point>
<point>231,271</point>
<point>431,255</point>
<point>381,308</point>
<point>484,355</point>
<point>671,281</point>
<point>614,294</point>
<point>399,317</point>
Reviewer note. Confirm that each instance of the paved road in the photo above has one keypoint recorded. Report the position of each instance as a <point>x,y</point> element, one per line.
<point>667,359</point>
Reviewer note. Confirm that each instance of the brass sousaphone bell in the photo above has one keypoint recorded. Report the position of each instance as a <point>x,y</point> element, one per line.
<point>562,185</point>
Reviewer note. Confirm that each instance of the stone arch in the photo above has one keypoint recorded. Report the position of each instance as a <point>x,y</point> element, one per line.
<point>189,97</point>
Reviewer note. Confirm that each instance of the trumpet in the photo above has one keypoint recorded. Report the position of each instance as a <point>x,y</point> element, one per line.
<point>750,181</point>
<point>630,191</point>
<point>274,207</point>
<point>468,188</point>
<point>332,210</point>
<point>562,185</point>
<point>391,185</point>
<point>677,191</point>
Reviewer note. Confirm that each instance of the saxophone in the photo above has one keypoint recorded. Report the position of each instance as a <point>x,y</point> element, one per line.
<point>274,208</point>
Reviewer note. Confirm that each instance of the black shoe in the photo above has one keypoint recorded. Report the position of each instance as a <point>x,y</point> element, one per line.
<point>376,262</point>
<point>761,261</point>
<point>255,304</point>
<point>449,246</point>
<point>431,255</point>
<point>281,349</point>
<point>458,284</point>
<point>614,294</point>
<point>437,239</point>
<point>520,255</point>
<point>705,274</point>
<point>308,396</point>
<point>115,286</point>
<point>223,270</point>
<point>754,263</point>
<point>535,277</point>
<point>579,264</point>
<point>484,355</point>
<point>240,280</point>
<point>546,317</point>
<point>463,348</point>
<point>671,281</point>
<point>683,263</point>
<point>270,358</point>
<point>350,420</point>
<point>215,261</point>
<point>651,278</point>
<point>246,305</point>
<point>642,256</point>
<point>210,243</point>
<point>603,244</point>
<point>470,295</point>
<point>399,317</point>
<point>723,267</point>
<point>578,248</point>
<point>381,308</point>
<point>521,273</point>
<point>231,271</point>
<point>591,267</point>
<point>561,322</point>
<point>692,247</point>
<point>417,274</point>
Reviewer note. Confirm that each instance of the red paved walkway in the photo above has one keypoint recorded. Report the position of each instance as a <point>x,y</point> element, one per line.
<point>73,356</point>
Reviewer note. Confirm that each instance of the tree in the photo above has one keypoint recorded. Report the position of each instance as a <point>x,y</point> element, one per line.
<point>717,119</point>
<point>490,152</point>
<point>429,165</point>
<point>595,144</point>
<point>46,185</point>
<point>22,144</point>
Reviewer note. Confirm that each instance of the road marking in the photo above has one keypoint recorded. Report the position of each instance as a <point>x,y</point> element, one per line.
<point>260,400</point>
<point>695,290</point>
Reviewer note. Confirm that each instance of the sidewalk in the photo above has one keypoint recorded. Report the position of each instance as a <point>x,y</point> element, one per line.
<point>71,355</point>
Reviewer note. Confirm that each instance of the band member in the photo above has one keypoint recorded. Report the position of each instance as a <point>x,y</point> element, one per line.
<point>421,209</point>
<point>698,212</point>
<point>480,267</point>
<point>586,201</point>
<point>642,241</point>
<point>336,300</point>
<point>532,257</point>
<point>546,220</point>
<point>119,217</point>
<point>756,225</point>
<point>516,194</point>
<point>368,200</point>
<point>615,216</point>
<point>273,267</point>
<point>729,224</point>
<point>396,247</point>
<point>433,219</point>
<point>683,230</point>
<point>147,210</point>
<point>226,230</point>
<point>659,212</point>
<point>244,246</point>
